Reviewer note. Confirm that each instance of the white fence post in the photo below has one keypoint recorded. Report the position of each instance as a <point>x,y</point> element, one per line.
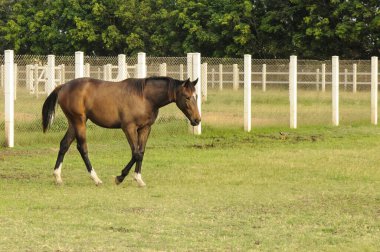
<point>293,91</point>
<point>181,71</point>
<point>212,78</point>
<point>9,97</point>
<point>374,88</point>
<point>354,78</point>
<point>220,77</point>
<point>317,79</point>
<point>141,65</point>
<point>196,60</point>
<point>50,83</point>
<point>162,70</point>
<point>35,79</point>
<point>105,72</point>
<point>345,78</point>
<point>79,64</point>
<point>235,77</point>
<point>264,77</point>
<point>87,70</point>
<point>335,90</point>
<point>247,92</point>
<point>121,67</point>
<point>204,81</point>
<point>323,77</point>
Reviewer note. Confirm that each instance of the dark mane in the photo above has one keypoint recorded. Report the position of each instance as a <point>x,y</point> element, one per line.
<point>136,85</point>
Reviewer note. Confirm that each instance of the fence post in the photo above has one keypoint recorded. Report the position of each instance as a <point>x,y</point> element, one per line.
<point>162,70</point>
<point>28,77</point>
<point>63,76</point>
<point>9,97</point>
<point>79,64</point>
<point>293,91</point>
<point>87,68</point>
<point>317,79</point>
<point>141,65</point>
<point>181,71</point>
<point>323,77</point>
<point>235,77</point>
<point>345,79</point>
<point>109,71</point>
<point>264,77</point>
<point>335,90</point>
<point>35,79</point>
<point>247,92</point>
<point>374,88</point>
<point>121,67</point>
<point>212,78</point>
<point>354,78</point>
<point>196,62</point>
<point>105,72</point>
<point>220,77</point>
<point>50,84</point>
<point>204,81</point>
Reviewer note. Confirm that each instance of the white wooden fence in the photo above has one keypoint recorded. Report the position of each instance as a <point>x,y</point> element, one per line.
<point>210,76</point>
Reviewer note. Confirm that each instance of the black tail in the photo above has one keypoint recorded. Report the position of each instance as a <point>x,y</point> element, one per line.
<point>48,109</point>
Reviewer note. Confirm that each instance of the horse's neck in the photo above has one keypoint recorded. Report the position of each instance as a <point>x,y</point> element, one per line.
<point>158,95</point>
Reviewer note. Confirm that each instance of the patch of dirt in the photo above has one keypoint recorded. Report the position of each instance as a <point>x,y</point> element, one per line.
<point>119,229</point>
<point>285,136</point>
<point>19,176</point>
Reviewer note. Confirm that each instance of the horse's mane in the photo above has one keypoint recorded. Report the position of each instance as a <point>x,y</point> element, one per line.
<point>136,86</point>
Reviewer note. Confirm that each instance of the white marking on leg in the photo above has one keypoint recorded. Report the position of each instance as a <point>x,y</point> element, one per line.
<point>57,174</point>
<point>137,177</point>
<point>94,177</point>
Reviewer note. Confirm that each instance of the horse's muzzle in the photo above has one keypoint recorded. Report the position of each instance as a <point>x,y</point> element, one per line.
<point>195,122</point>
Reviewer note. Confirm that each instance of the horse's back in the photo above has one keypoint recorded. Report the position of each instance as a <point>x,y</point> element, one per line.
<point>105,103</point>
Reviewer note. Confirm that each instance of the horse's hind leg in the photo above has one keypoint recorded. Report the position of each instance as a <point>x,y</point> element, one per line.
<point>63,148</point>
<point>143,135</point>
<point>80,134</point>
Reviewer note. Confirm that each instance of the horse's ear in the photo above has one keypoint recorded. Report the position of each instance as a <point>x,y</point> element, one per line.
<point>195,82</point>
<point>186,82</point>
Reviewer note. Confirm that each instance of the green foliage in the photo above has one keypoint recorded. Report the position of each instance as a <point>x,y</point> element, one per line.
<point>220,28</point>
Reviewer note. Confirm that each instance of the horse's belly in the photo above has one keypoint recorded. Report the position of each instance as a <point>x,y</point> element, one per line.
<point>108,120</point>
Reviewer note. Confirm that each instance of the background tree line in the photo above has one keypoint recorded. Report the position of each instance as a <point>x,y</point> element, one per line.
<point>220,28</point>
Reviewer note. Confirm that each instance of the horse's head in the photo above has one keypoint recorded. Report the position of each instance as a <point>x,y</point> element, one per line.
<point>186,100</point>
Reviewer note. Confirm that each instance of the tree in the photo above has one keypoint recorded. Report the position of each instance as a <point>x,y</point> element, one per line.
<point>219,28</point>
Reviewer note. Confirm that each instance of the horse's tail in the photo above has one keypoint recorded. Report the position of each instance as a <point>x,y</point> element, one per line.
<point>48,109</point>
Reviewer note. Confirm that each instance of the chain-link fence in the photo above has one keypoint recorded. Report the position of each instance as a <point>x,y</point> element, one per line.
<point>222,89</point>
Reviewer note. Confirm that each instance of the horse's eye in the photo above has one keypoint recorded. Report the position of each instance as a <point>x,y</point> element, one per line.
<point>188,98</point>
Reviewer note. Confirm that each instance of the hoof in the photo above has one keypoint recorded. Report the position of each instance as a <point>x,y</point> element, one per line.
<point>58,179</point>
<point>118,181</point>
<point>141,183</point>
<point>137,178</point>
<point>59,182</point>
<point>94,177</point>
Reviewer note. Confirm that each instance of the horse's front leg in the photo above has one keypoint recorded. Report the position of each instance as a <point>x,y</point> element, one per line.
<point>132,137</point>
<point>125,171</point>
<point>143,135</point>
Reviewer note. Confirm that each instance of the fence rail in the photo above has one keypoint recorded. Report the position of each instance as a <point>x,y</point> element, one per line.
<point>223,82</point>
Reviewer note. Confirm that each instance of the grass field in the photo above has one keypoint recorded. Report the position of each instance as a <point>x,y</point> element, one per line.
<point>316,188</point>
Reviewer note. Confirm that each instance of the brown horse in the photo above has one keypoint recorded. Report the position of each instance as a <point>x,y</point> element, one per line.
<point>131,105</point>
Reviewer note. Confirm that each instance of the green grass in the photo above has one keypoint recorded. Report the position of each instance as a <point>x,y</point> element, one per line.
<point>316,188</point>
